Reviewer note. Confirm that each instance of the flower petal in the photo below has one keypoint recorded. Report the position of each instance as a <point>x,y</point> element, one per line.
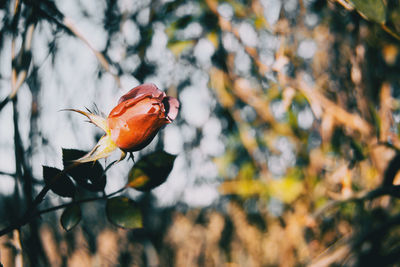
<point>171,105</point>
<point>147,89</point>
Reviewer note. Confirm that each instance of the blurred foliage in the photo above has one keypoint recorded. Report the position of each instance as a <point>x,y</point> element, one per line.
<point>307,96</point>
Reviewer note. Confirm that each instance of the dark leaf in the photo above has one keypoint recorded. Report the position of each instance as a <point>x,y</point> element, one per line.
<point>151,171</point>
<point>58,182</point>
<point>124,212</point>
<point>88,175</point>
<point>71,216</point>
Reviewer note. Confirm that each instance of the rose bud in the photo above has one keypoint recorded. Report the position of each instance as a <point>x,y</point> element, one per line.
<point>140,114</point>
<point>133,123</point>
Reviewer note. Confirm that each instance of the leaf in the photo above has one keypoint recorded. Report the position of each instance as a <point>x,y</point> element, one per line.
<point>71,216</point>
<point>89,175</point>
<point>124,212</point>
<point>58,182</point>
<point>374,10</point>
<point>151,171</point>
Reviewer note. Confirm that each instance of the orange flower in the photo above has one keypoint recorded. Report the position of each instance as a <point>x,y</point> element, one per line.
<point>140,114</point>
<point>133,123</point>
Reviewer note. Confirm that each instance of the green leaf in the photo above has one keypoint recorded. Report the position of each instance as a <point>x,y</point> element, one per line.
<point>71,216</point>
<point>58,182</point>
<point>151,171</point>
<point>374,10</point>
<point>124,212</point>
<point>88,175</point>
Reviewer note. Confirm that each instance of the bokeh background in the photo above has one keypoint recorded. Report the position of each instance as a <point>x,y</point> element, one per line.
<point>287,138</point>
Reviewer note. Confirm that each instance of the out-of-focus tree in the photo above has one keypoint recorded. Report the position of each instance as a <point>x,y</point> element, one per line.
<point>289,107</point>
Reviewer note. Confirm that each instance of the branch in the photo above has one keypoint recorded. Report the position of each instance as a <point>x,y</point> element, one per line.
<point>66,24</point>
<point>31,211</point>
<point>393,191</point>
<point>347,246</point>
<point>36,214</point>
<point>104,197</point>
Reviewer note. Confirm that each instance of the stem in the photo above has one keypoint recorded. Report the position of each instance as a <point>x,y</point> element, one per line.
<point>40,212</point>
<point>31,211</point>
<point>39,198</point>
<point>32,214</point>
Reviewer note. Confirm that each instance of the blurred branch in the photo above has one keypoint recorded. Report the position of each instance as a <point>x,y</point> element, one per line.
<point>393,191</point>
<point>351,7</point>
<point>246,94</point>
<point>227,26</point>
<point>100,57</point>
<point>347,246</point>
<point>340,250</point>
<point>319,102</point>
<point>221,81</point>
<point>385,114</point>
<point>20,62</point>
<point>51,12</point>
